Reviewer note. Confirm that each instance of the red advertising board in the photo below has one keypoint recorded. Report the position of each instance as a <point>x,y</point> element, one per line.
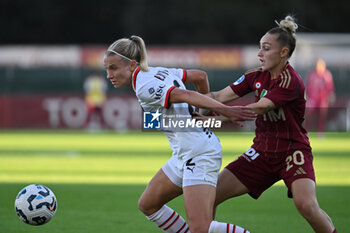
<point>63,111</point>
<point>120,112</point>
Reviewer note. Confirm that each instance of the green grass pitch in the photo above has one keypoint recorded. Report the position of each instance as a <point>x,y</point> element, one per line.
<point>98,178</point>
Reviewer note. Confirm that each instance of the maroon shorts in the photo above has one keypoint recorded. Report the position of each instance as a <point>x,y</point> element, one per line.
<point>260,170</point>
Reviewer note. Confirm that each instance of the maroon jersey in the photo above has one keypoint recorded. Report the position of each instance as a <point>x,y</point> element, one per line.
<point>280,129</point>
<point>319,88</point>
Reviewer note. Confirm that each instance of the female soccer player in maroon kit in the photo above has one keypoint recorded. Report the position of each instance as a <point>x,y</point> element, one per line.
<point>281,148</point>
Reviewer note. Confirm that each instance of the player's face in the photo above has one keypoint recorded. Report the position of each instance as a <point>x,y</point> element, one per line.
<point>270,52</point>
<point>119,71</point>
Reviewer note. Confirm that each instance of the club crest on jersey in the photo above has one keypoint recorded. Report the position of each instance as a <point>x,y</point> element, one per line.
<point>238,81</point>
<point>257,85</point>
<point>152,120</point>
<point>151,90</point>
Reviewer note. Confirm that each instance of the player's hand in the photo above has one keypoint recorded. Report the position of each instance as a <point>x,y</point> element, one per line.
<point>198,116</point>
<point>204,111</point>
<point>240,113</point>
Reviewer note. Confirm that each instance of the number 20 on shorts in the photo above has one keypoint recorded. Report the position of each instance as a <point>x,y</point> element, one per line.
<point>297,158</point>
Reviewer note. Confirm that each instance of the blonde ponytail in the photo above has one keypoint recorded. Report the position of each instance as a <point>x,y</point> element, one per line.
<point>142,52</point>
<point>132,48</point>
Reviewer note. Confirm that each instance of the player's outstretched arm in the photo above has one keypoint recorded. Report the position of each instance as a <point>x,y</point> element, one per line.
<point>224,95</point>
<point>262,106</point>
<point>200,81</point>
<point>235,113</point>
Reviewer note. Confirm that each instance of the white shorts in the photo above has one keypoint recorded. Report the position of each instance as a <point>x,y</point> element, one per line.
<point>201,169</point>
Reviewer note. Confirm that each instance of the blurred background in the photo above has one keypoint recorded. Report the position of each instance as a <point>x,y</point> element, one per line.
<point>51,72</point>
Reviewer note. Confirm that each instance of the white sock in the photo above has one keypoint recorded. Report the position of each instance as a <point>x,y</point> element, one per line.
<point>169,221</point>
<point>220,227</point>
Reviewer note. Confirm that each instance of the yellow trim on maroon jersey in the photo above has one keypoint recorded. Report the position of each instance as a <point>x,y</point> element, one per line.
<point>285,79</point>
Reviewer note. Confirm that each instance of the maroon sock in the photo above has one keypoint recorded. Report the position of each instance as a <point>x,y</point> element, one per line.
<point>335,231</point>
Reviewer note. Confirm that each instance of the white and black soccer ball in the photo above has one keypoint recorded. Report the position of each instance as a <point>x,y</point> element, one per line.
<point>35,204</point>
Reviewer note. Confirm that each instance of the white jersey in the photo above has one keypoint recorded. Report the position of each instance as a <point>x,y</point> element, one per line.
<point>153,89</point>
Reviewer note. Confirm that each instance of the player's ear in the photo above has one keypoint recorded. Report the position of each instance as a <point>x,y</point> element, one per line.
<point>132,65</point>
<point>284,52</point>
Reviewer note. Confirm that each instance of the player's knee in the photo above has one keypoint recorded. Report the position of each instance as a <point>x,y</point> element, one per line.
<point>307,208</point>
<point>146,206</point>
<point>143,207</point>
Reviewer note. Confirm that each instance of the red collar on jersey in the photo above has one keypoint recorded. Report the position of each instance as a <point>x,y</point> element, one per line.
<point>137,70</point>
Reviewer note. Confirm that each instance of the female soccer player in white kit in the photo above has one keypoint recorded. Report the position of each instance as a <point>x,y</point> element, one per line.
<point>196,159</point>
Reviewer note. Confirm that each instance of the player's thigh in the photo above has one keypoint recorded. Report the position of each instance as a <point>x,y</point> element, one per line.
<point>298,166</point>
<point>228,186</point>
<point>199,204</point>
<point>159,191</point>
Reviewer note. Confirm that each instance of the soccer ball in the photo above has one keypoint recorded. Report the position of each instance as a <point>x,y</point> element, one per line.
<point>35,204</point>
